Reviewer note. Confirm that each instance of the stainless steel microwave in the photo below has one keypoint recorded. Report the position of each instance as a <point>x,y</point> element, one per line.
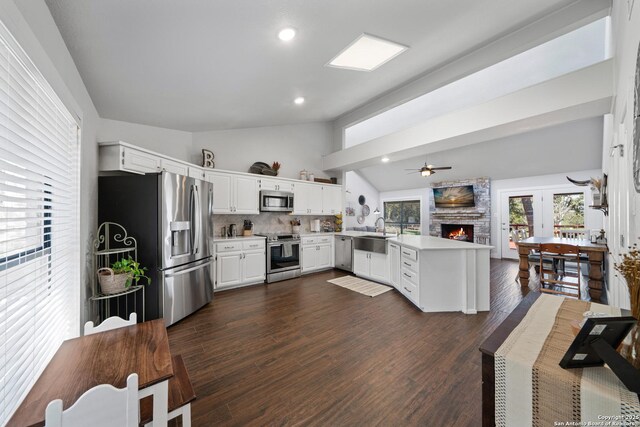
<point>276,201</point>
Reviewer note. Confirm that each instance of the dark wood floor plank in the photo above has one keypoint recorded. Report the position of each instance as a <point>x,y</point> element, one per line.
<point>305,352</point>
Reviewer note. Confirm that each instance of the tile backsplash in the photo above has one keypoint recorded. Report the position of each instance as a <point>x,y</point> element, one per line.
<point>267,222</point>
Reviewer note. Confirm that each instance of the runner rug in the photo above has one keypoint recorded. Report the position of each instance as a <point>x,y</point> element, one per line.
<point>532,389</point>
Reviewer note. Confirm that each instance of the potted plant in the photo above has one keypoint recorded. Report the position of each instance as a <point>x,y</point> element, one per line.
<point>122,274</point>
<point>629,268</point>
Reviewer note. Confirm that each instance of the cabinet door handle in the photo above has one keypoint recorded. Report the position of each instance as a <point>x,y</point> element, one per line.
<point>406,253</point>
<point>407,264</point>
<point>406,275</point>
<point>407,289</point>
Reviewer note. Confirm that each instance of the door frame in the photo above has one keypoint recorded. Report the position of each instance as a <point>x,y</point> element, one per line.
<point>547,217</point>
<point>538,220</point>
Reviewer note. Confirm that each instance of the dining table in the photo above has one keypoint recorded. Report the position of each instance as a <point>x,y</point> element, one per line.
<point>595,253</point>
<point>108,357</point>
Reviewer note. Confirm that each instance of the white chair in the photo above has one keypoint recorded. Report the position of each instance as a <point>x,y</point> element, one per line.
<point>101,406</point>
<point>112,322</point>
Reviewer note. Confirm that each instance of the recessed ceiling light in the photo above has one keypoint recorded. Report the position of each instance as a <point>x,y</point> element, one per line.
<point>299,100</point>
<point>287,34</point>
<point>385,159</point>
<point>367,53</point>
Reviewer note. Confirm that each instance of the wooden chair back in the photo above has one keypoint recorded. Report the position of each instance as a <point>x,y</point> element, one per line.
<point>101,406</point>
<point>573,233</point>
<point>555,275</point>
<point>112,322</point>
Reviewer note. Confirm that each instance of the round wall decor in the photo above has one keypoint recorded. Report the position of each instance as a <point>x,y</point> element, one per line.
<point>365,210</point>
<point>362,200</point>
<point>360,219</point>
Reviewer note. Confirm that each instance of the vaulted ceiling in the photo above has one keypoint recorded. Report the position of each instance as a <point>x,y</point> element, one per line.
<point>211,64</point>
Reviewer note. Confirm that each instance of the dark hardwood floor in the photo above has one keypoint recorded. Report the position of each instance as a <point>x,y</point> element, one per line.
<point>306,352</point>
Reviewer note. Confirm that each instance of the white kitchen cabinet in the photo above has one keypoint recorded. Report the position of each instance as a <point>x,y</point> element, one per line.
<point>246,195</point>
<point>174,167</point>
<point>139,161</point>
<point>228,269</point>
<point>233,194</point>
<point>371,265</point>
<point>307,199</point>
<point>196,172</point>
<point>253,266</point>
<point>317,257</point>
<point>240,263</point>
<point>331,200</point>
<point>276,185</point>
<point>394,265</point>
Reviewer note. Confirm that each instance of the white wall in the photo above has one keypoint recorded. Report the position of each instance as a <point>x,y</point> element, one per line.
<point>593,218</point>
<point>355,185</point>
<point>624,201</point>
<point>296,147</point>
<point>31,24</point>
<point>423,194</point>
<point>173,143</point>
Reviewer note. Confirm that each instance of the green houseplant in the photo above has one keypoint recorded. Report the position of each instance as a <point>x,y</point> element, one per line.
<point>122,274</point>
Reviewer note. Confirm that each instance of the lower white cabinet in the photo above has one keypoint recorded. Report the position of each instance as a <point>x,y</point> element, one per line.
<point>394,265</point>
<point>371,265</point>
<point>236,267</point>
<point>409,274</point>
<point>316,257</point>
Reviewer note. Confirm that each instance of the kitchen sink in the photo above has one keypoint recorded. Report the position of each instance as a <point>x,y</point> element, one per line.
<point>371,243</point>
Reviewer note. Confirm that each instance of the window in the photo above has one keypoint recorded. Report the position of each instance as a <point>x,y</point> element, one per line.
<point>39,217</point>
<point>402,217</point>
<point>568,211</point>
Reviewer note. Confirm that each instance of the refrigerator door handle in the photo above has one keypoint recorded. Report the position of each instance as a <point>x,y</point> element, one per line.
<point>198,221</point>
<point>188,270</point>
<point>192,211</point>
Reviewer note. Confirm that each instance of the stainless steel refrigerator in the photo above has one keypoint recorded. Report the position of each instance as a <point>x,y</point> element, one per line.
<point>171,217</point>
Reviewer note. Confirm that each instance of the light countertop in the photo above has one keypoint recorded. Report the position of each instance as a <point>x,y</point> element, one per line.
<point>432,243</point>
<point>227,239</point>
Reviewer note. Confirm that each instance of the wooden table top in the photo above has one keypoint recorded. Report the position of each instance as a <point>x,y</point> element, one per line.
<point>103,358</point>
<point>581,243</point>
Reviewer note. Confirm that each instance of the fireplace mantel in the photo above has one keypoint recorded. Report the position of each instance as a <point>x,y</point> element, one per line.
<point>457,214</point>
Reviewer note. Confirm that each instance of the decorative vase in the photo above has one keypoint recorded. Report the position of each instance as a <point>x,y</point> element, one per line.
<point>295,229</point>
<point>112,283</point>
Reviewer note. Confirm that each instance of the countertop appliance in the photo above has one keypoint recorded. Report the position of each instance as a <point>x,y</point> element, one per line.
<point>344,253</point>
<point>283,256</point>
<point>276,201</point>
<point>171,218</point>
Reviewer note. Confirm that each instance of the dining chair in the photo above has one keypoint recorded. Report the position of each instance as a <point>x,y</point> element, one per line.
<point>559,276</point>
<point>101,406</point>
<point>110,323</point>
<point>573,233</point>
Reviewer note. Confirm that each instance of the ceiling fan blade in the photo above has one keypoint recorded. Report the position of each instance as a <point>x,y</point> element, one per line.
<point>411,173</point>
<point>440,168</point>
<point>412,169</point>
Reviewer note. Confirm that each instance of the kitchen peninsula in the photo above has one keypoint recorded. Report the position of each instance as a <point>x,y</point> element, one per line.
<point>438,274</point>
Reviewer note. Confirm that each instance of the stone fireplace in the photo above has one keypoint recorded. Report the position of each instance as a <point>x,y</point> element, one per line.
<point>475,222</point>
<point>461,232</point>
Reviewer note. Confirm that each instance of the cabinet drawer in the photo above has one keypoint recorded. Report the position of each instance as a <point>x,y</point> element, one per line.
<point>309,240</point>
<point>253,245</point>
<point>229,246</point>
<point>410,264</point>
<point>410,254</point>
<point>409,275</point>
<point>324,239</point>
<point>410,290</point>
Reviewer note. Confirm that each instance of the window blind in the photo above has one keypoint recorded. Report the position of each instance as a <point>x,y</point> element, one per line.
<point>39,217</point>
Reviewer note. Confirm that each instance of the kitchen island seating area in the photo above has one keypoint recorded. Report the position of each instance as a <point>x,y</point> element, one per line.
<point>107,359</point>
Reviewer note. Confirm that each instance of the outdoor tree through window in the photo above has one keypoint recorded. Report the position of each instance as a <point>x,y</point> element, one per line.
<point>568,210</point>
<point>402,217</point>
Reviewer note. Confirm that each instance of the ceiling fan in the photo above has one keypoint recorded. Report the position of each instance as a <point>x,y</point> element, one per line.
<point>428,170</point>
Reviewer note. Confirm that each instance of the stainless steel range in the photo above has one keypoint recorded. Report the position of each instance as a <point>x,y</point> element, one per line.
<point>283,256</point>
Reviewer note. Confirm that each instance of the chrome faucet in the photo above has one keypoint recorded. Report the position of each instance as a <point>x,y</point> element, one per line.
<point>384,227</point>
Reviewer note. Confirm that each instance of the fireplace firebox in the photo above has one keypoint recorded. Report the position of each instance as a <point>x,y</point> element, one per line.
<point>461,232</point>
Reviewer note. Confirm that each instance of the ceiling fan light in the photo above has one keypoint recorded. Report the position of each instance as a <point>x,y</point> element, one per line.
<point>426,172</point>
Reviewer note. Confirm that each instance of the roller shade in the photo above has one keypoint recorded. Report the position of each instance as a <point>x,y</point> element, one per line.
<point>39,217</point>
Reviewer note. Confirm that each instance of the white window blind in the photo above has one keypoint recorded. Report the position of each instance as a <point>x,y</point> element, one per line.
<point>39,217</point>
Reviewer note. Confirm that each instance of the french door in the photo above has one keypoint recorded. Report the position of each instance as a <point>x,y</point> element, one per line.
<point>521,217</point>
<point>540,212</point>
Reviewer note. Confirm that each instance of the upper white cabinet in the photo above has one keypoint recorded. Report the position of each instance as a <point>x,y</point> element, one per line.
<point>276,185</point>
<point>233,194</point>
<point>316,199</point>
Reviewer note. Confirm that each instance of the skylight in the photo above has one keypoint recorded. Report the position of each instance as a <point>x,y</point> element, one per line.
<point>569,52</point>
<point>367,53</point>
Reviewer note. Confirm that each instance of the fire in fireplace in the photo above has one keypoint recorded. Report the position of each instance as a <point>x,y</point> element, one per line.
<point>462,232</point>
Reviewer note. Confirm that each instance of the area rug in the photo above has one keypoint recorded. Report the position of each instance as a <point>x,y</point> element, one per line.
<point>361,286</point>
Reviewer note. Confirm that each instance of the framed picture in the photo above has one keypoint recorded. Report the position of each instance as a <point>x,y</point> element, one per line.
<point>636,126</point>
